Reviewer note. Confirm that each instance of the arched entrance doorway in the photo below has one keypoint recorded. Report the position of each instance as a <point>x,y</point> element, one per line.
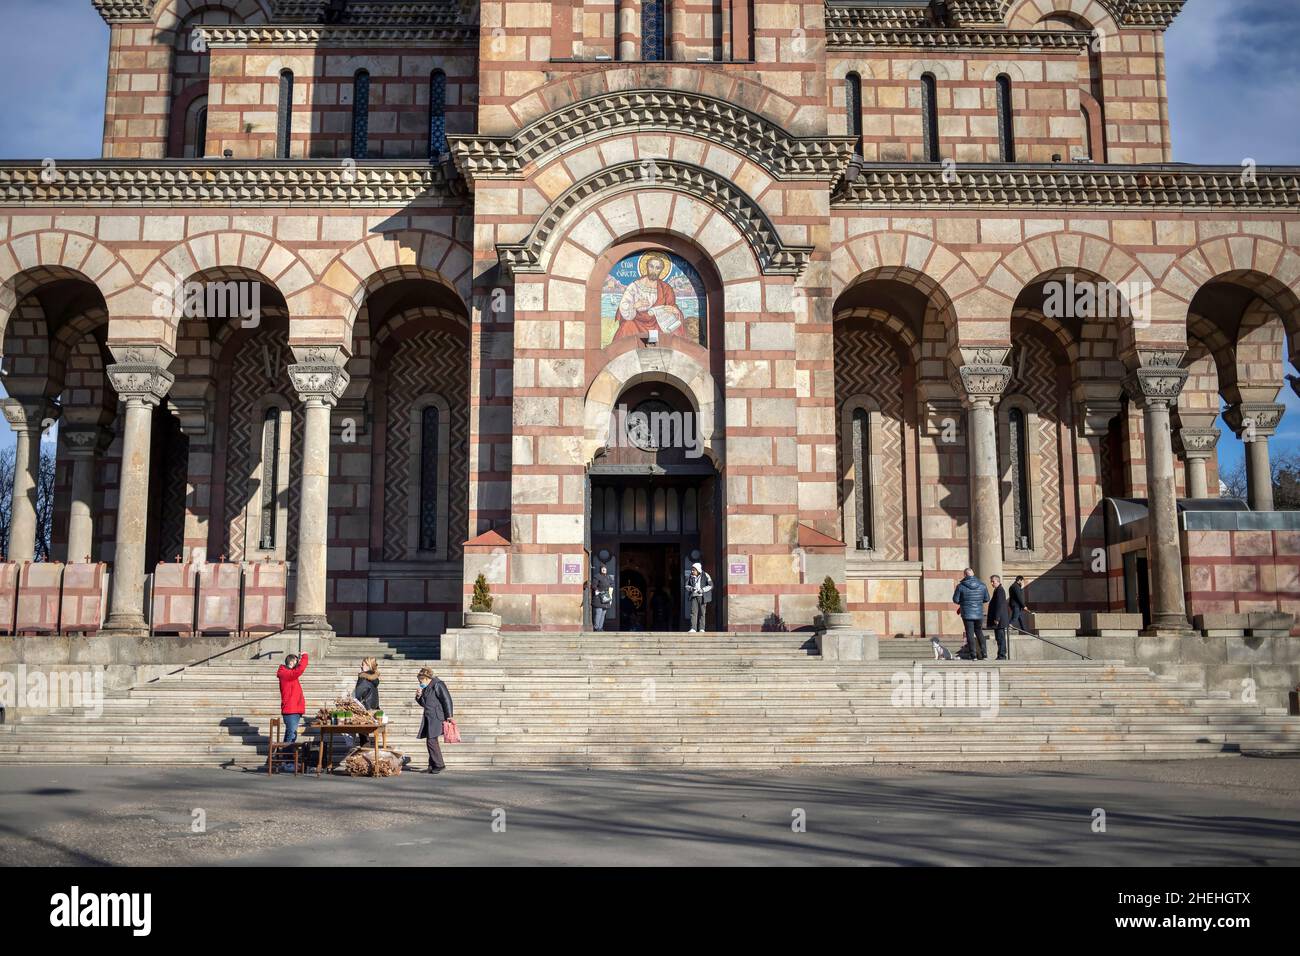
<point>654,506</point>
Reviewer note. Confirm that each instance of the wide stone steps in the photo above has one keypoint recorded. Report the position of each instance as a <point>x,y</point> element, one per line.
<point>670,700</point>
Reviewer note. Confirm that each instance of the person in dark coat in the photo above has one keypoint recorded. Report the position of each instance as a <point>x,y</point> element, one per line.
<point>970,597</point>
<point>602,598</point>
<point>367,689</point>
<point>436,701</point>
<point>1018,603</point>
<point>999,616</point>
<point>292,703</point>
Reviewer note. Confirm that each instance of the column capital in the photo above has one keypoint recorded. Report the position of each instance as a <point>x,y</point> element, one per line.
<point>1192,442</point>
<point>1155,385</point>
<point>1095,415</point>
<point>981,374</point>
<point>86,441</point>
<point>318,375</point>
<point>1254,421</point>
<point>140,384</point>
<point>32,415</point>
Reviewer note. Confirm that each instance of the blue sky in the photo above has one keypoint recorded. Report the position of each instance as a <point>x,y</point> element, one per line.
<point>1234,90</point>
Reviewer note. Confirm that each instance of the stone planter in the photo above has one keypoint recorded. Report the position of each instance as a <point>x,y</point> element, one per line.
<point>834,622</point>
<point>483,619</point>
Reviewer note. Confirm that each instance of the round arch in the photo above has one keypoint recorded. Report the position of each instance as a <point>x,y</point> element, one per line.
<point>629,369</point>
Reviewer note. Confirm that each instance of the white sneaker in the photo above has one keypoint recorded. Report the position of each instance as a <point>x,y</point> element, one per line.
<point>691,631</point>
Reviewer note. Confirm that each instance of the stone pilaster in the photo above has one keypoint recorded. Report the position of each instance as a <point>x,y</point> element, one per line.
<point>1196,445</point>
<point>28,418</point>
<point>1154,387</point>
<point>141,381</point>
<point>320,380</point>
<point>1254,423</point>
<point>83,445</point>
<point>980,382</point>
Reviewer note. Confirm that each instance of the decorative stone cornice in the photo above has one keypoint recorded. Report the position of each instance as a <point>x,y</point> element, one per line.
<point>963,41</point>
<point>1158,379</point>
<point>774,256</point>
<point>319,376</point>
<point>340,35</point>
<point>639,111</point>
<point>1131,13</point>
<point>125,11</point>
<point>1196,442</point>
<point>1250,421</point>
<point>230,182</point>
<point>899,15</point>
<point>1064,185</point>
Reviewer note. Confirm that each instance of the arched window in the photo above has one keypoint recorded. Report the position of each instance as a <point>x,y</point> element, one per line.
<point>360,114</point>
<point>428,456</point>
<point>862,505</point>
<point>437,114</point>
<point>1018,462</point>
<point>284,115</point>
<point>1006,118</point>
<point>930,116</point>
<point>196,129</point>
<point>270,491</point>
<point>853,109</point>
<point>429,461</point>
<point>653,30</point>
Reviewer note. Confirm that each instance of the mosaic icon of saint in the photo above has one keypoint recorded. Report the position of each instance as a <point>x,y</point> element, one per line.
<point>649,302</point>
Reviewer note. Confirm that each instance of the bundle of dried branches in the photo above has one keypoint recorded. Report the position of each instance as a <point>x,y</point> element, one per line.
<point>360,762</point>
<point>356,714</point>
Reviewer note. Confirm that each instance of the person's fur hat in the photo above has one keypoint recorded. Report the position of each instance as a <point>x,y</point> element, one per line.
<point>425,672</point>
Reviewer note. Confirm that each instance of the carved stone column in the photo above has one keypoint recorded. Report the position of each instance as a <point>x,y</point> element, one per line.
<point>28,418</point>
<point>1254,423</point>
<point>1155,388</point>
<point>980,383</point>
<point>83,446</point>
<point>320,380</point>
<point>141,381</point>
<point>1196,446</point>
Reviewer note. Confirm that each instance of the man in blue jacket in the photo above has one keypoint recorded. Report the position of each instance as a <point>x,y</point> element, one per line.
<point>970,597</point>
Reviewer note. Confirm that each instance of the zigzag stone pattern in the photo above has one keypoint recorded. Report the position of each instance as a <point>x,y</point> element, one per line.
<point>249,384</point>
<point>430,362</point>
<point>866,364</point>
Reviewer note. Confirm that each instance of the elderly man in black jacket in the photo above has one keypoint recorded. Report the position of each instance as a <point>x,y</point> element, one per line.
<point>436,701</point>
<point>999,615</point>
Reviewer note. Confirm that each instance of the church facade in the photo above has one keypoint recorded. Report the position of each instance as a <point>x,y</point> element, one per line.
<point>365,299</point>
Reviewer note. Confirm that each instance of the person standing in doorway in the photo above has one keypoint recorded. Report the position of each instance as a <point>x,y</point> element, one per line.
<point>699,594</point>
<point>1017,601</point>
<point>435,700</point>
<point>999,616</point>
<point>292,703</point>
<point>970,597</point>
<point>602,598</point>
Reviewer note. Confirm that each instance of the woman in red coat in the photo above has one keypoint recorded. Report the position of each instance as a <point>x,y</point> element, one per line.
<point>292,704</point>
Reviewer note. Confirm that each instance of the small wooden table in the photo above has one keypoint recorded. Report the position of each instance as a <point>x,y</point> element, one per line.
<point>329,731</point>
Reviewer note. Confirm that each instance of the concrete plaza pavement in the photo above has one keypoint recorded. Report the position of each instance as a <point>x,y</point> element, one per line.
<point>1235,811</point>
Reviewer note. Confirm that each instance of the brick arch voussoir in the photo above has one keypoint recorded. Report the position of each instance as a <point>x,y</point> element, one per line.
<point>1026,14</point>
<point>728,87</point>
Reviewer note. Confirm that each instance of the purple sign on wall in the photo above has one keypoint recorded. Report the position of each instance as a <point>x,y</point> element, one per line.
<point>739,569</point>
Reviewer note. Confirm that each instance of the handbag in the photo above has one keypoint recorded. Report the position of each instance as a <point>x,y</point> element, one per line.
<point>450,734</point>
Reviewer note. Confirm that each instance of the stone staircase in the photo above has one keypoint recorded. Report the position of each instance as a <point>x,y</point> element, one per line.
<point>670,700</point>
